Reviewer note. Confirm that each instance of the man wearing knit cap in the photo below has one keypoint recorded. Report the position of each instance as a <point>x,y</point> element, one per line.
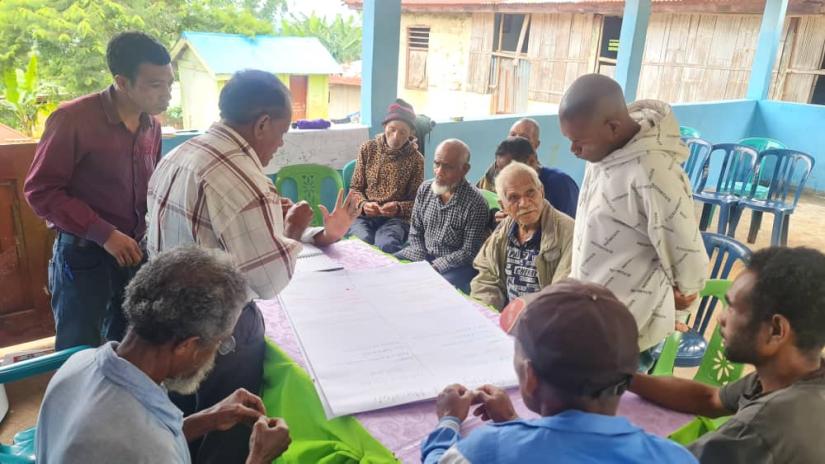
<point>387,174</point>
<point>575,353</point>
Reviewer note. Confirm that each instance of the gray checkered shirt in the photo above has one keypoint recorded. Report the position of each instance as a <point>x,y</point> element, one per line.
<point>447,235</point>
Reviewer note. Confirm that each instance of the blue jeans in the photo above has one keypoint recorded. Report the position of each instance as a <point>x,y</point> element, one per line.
<point>87,288</point>
<point>388,234</point>
<point>242,368</point>
<point>460,277</point>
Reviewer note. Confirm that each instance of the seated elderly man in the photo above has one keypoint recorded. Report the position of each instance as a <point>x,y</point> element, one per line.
<point>559,188</point>
<point>775,321</point>
<point>530,249</point>
<point>575,353</point>
<point>449,219</point>
<point>110,404</point>
<point>388,171</point>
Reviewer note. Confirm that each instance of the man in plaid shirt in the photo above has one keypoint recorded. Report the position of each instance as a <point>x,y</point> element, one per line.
<point>449,218</point>
<point>211,191</point>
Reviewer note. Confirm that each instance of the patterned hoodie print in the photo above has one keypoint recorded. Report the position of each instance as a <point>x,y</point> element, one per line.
<point>636,231</point>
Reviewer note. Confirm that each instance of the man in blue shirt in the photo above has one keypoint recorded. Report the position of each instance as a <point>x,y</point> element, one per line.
<point>111,404</point>
<point>559,188</point>
<point>575,353</point>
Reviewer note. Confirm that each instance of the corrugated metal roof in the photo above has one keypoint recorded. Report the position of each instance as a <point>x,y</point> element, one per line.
<point>225,54</point>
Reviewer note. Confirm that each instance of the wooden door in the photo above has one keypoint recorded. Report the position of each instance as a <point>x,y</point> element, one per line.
<point>25,248</point>
<point>299,86</point>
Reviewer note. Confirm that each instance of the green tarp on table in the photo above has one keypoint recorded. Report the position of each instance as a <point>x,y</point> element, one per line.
<point>288,392</point>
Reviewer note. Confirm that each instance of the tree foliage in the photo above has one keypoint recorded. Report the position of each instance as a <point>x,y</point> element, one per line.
<point>342,37</point>
<point>26,97</point>
<point>70,36</point>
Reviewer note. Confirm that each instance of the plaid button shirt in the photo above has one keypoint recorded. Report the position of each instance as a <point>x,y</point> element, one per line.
<point>448,235</point>
<point>211,191</point>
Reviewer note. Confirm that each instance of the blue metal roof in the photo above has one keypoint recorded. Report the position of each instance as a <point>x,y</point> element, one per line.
<point>228,53</point>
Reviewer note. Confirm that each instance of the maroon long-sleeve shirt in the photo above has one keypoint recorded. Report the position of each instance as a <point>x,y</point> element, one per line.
<point>90,173</point>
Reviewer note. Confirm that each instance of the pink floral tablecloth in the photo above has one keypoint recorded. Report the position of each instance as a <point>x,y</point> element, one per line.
<point>402,428</point>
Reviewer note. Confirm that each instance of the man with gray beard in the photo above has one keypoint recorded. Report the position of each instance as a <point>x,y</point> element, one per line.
<point>449,218</point>
<point>110,404</point>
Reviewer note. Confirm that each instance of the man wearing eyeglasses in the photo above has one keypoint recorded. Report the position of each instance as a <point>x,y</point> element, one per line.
<point>110,404</point>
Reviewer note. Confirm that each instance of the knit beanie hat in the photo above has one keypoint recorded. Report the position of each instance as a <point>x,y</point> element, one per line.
<point>400,111</point>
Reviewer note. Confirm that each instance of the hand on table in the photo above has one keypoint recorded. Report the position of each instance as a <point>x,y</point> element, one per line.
<point>494,404</point>
<point>269,439</point>
<point>123,248</point>
<point>390,209</point>
<point>454,401</point>
<point>683,301</point>
<point>372,209</point>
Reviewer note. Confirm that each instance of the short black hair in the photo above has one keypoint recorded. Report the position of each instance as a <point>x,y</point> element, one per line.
<point>128,50</point>
<point>251,93</point>
<point>791,282</point>
<point>517,147</point>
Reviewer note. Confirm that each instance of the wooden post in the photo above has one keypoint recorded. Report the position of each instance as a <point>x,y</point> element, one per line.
<point>379,75</point>
<point>770,33</point>
<point>632,46</point>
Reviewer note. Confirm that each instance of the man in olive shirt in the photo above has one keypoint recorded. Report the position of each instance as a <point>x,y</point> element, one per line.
<point>775,321</point>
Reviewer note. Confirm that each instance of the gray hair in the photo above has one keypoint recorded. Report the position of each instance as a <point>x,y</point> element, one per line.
<point>465,148</point>
<point>185,292</point>
<point>513,169</point>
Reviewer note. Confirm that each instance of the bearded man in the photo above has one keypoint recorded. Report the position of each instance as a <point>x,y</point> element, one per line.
<point>449,217</point>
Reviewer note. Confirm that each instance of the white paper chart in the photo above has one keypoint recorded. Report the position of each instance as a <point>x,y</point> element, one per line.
<point>313,259</point>
<point>392,335</point>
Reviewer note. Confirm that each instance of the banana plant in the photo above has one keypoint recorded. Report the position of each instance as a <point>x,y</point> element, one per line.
<point>26,99</point>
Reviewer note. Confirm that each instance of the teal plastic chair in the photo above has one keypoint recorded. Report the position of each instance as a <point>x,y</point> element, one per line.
<point>791,170</point>
<point>689,133</point>
<point>22,450</point>
<point>314,183</point>
<point>349,170</point>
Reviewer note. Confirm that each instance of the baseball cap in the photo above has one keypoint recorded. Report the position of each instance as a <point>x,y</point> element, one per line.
<point>579,337</point>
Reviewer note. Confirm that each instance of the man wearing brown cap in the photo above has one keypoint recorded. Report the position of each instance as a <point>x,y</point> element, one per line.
<point>575,353</point>
<point>388,172</point>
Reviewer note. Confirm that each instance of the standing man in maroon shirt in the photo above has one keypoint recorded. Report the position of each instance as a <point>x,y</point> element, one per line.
<point>89,180</point>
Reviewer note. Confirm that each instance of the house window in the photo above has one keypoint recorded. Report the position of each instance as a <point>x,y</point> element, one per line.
<point>418,46</point>
<point>609,46</point>
<point>511,33</point>
<point>818,97</point>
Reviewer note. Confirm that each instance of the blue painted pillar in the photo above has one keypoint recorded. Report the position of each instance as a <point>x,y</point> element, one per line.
<point>769,35</point>
<point>379,66</point>
<point>632,46</point>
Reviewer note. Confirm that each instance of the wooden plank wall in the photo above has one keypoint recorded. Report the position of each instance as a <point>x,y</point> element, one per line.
<point>698,57</point>
<point>562,48</point>
<point>481,47</point>
<point>804,52</point>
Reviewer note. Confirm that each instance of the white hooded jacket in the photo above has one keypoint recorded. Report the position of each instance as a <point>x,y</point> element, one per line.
<point>636,231</point>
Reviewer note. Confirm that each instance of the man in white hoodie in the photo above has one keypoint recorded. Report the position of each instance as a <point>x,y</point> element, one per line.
<point>636,231</point>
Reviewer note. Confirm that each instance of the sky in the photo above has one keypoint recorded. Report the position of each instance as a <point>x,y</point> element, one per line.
<point>326,8</point>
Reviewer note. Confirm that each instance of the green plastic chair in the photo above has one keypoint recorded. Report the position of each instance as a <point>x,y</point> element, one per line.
<point>760,144</point>
<point>349,170</point>
<point>715,369</point>
<point>689,133</point>
<point>314,183</point>
<point>694,429</point>
<point>22,450</point>
<point>492,199</point>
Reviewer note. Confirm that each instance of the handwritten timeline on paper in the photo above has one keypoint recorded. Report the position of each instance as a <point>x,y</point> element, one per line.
<point>392,335</point>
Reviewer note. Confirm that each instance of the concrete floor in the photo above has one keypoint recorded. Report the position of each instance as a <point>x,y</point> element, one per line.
<point>807,229</point>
